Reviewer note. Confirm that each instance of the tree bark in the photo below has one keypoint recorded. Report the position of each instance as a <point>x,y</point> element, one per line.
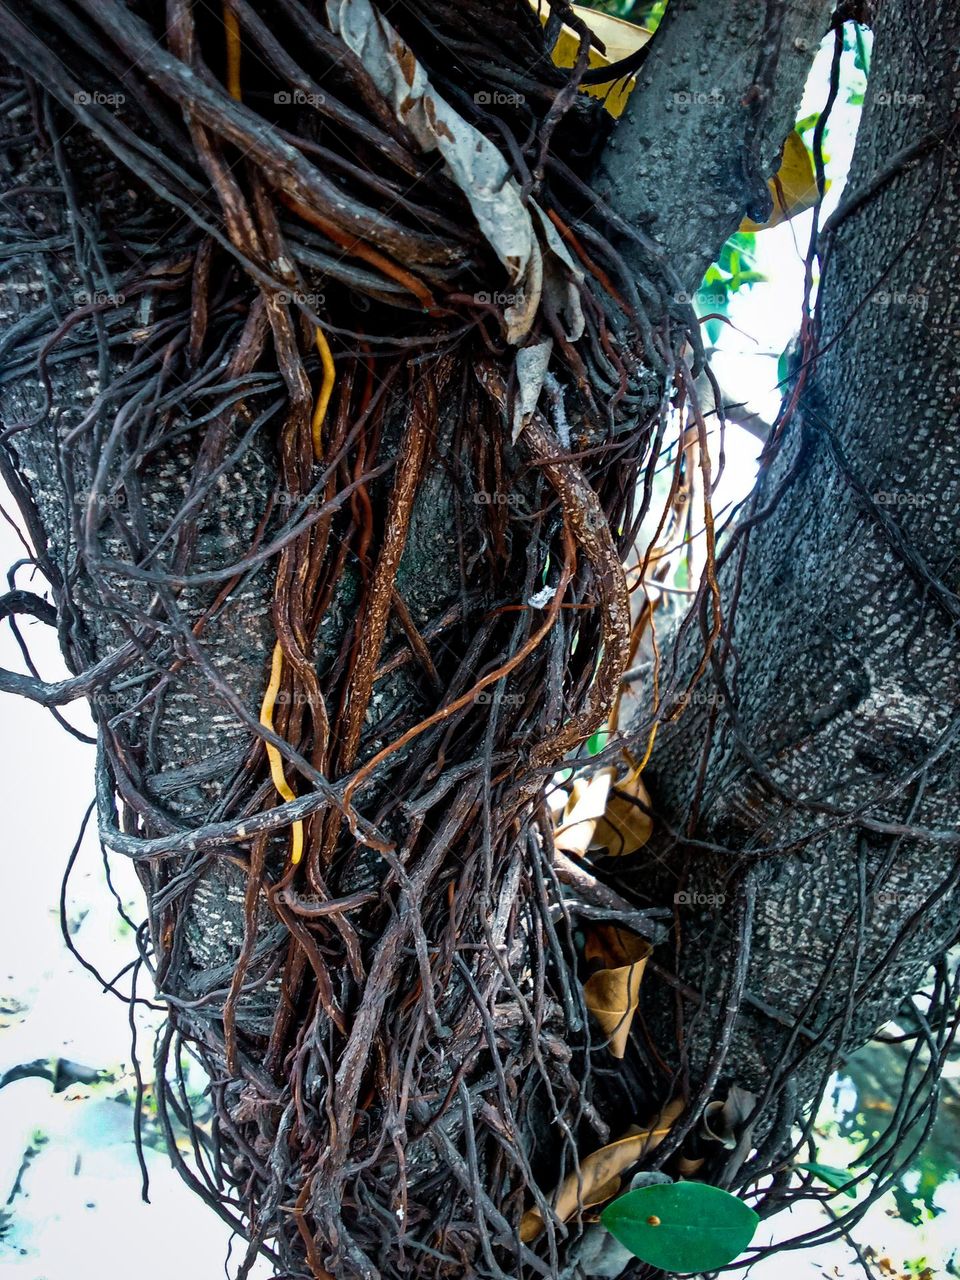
<point>822,760</point>
<point>847,653</point>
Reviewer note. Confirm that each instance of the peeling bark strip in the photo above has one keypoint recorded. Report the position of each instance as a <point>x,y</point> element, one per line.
<point>590,533</point>
<point>401,1058</point>
<point>410,463</point>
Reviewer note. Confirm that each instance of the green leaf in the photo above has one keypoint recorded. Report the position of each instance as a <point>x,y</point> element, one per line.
<point>808,123</point>
<point>597,741</point>
<point>683,1226</point>
<point>745,241</point>
<point>862,59</point>
<point>833,1177</point>
<point>743,278</point>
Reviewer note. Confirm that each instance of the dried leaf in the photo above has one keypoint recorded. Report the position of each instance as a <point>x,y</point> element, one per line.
<point>600,1171</point>
<point>609,946</point>
<point>793,188</point>
<point>620,39</point>
<point>588,799</point>
<point>532,364</point>
<point>612,995</point>
<point>474,163</point>
<point>625,826</point>
<point>723,1121</point>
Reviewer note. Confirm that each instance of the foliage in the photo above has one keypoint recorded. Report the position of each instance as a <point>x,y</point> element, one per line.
<point>682,1226</point>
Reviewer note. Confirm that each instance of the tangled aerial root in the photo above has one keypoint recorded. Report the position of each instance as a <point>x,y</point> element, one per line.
<point>423,1072</point>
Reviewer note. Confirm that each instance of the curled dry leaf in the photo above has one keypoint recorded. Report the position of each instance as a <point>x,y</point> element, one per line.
<point>626,824</point>
<point>620,39</point>
<point>611,994</point>
<point>793,188</point>
<point>603,814</point>
<point>600,1172</point>
<point>609,945</point>
<point>583,810</point>
<point>473,162</point>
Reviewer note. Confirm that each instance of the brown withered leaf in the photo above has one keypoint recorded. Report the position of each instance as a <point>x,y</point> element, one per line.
<point>612,994</point>
<point>626,824</point>
<point>609,945</point>
<point>576,825</point>
<point>600,1171</point>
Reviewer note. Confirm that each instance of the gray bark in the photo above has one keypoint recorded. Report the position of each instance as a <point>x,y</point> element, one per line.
<point>844,679</point>
<point>199,740</point>
<point>676,164</point>
<point>823,677</point>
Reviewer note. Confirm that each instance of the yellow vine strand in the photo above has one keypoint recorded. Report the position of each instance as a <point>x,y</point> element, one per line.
<point>273,755</point>
<point>326,391</point>
<point>232,30</point>
<point>284,790</point>
<point>276,666</point>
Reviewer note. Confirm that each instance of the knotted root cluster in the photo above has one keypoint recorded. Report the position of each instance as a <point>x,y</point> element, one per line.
<point>337,545</point>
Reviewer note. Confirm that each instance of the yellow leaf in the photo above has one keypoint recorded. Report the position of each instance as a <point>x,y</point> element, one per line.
<point>625,826</point>
<point>611,995</point>
<point>611,946</point>
<point>599,1177</point>
<point>793,188</point>
<point>620,39</point>
<point>584,808</point>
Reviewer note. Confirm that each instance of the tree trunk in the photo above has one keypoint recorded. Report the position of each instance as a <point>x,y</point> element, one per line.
<point>820,811</point>
<point>818,768</point>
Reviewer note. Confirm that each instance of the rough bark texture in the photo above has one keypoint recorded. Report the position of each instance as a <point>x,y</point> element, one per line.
<point>688,116</point>
<point>843,680</point>
<point>844,675</point>
<point>199,742</point>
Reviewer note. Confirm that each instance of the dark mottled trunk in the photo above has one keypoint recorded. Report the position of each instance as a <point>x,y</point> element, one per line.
<point>842,726</point>
<point>845,681</point>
